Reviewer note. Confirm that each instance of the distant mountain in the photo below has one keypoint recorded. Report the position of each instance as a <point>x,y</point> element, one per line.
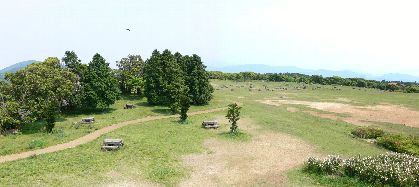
<point>15,67</point>
<point>261,68</point>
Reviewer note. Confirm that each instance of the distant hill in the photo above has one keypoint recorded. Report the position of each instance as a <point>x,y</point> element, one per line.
<point>15,67</point>
<point>261,68</point>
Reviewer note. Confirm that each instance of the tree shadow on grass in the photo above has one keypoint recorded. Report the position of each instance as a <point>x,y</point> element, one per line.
<point>87,112</point>
<point>131,97</point>
<point>35,127</point>
<point>164,111</point>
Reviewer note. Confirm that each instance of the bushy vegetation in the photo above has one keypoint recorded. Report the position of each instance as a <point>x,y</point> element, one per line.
<point>393,142</point>
<point>408,87</point>
<point>367,132</point>
<point>400,143</point>
<point>386,169</point>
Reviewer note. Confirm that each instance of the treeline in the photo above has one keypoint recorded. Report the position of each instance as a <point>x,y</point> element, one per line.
<point>407,87</point>
<point>42,90</point>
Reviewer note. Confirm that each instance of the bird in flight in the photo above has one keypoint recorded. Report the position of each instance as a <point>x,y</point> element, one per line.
<point>128,29</point>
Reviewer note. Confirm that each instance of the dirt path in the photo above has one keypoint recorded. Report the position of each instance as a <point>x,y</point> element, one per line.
<point>262,161</point>
<point>92,136</point>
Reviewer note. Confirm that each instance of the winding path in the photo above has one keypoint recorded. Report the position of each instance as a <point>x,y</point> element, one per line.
<point>92,136</point>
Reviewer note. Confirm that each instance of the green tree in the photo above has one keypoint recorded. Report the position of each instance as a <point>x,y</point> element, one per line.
<point>164,80</point>
<point>130,74</point>
<point>197,79</point>
<point>9,115</point>
<point>41,89</point>
<point>233,115</point>
<point>73,64</point>
<point>100,86</point>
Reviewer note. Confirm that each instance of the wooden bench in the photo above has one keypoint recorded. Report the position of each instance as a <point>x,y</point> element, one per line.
<point>210,124</point>
<point>112,144</point>
<point>129,106</point>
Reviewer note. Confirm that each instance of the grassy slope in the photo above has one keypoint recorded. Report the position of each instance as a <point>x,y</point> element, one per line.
<point>154,149</point>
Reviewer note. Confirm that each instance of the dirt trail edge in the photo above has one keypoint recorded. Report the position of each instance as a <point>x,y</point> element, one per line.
<point>92,136</point>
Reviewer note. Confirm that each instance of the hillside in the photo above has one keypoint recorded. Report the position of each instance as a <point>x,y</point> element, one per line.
<point>15,67</point>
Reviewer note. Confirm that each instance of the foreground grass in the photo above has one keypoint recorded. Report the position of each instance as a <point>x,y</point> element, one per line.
<point>153,151</point>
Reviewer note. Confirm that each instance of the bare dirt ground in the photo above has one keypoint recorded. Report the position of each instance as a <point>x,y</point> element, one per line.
<point>359,115</point>
<point>292,109</point>
<point>262,161</point>
<point>92,136</point>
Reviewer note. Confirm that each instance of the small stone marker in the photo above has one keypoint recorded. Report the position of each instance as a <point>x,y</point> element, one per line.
<point>210,124</point>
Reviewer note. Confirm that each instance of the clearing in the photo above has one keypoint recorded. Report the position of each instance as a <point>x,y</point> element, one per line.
<point>359,115</point>
<point>262,161</point>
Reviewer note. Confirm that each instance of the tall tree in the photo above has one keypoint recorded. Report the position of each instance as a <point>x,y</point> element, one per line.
<point>41,89</point>
<point>73,64</point>
<point>164,80</point>
<point>100,87</point>
<point>130,74</point>
<point>197,80</point>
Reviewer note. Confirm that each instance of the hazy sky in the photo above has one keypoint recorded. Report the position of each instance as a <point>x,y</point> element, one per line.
<point>374,36</point>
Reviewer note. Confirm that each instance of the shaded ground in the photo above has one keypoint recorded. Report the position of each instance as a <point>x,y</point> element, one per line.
<point>262,161</point>
<point>92,136</point>
<point>359,115</point>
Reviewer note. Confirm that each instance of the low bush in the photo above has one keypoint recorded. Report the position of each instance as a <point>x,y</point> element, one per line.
<point>367,132</point>
<point>392,169</point>
<point>37,144</point>
<point>329,165</point>
<point>400,143</point>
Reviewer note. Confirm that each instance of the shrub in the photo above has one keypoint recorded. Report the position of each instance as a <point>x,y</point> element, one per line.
<point>233,115</point>
<point>400,143</point>
<point>329,165</point>
<point>36,144</point>
<point>367,132</point>
<point>392,169</point>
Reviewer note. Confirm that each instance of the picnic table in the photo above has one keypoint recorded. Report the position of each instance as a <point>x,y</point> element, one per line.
<point>129,106</point>
<point>88,120</point>
<point>112,144</point>
<point>210,124</point>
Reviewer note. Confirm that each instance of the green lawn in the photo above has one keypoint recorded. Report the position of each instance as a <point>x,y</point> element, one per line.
<point>65,131</point>
<point>154,149</point>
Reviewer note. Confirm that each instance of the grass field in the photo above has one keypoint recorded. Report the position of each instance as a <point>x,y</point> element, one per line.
<point>154,150</point>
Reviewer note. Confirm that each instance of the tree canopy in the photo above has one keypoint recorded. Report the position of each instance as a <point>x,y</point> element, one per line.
<point>169,78</point>
<point>41,89</point>
<point>130,72</point>
<point>99,85</point>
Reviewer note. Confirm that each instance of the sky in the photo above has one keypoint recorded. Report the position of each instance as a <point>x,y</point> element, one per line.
<point>368,36</point>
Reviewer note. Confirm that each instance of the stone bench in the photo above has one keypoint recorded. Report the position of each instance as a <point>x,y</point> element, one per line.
<point>112,144</point>
<point>210,124</point>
